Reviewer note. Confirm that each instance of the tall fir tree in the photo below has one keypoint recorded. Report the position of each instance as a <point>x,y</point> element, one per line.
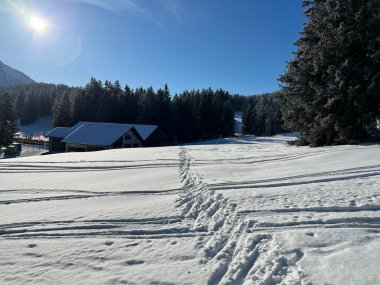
<point>330,91</point>
<point>228,119</point>
<point>164,109</point>
<point>62,115</point>
<point>8,126</point>
<point>29,111</point>
<point>248,120</point>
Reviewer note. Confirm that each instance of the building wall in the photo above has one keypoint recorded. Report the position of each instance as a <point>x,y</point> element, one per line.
<point>128,140</point>
<point>157,138</point>
<point>83,148</point>
<point>56,145</point>
<point>131,140</point>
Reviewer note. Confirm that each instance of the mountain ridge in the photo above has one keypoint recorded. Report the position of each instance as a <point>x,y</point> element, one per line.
<point>11,76</point>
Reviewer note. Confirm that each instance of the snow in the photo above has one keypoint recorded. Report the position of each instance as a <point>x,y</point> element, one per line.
<point>42,125</point>
<point>97,134</point>
<point>240,210</point>
<point>238,122</point>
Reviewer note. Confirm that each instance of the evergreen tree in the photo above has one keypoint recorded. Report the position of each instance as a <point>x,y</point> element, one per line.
<point>29,111</point>
<point>330,91</point>
<point>248,120</point>
<point>206,114</point>
<point>148,107</point>
<point>165,110</point>
<point>130,106</point>
<point>79,108</point>
<point>62,116</point>
<point>8,127</point>
<point>228,119</point>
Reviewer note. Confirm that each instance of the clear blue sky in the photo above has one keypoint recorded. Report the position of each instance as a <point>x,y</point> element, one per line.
<point>239,45</point>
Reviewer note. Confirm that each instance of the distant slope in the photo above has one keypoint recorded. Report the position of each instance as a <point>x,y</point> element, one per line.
<point>10,76</point>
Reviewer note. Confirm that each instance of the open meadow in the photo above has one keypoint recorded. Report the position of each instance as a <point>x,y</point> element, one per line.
<point>244,211</point>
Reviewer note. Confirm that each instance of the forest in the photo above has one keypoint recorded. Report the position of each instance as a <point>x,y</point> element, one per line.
<point>187,116</point>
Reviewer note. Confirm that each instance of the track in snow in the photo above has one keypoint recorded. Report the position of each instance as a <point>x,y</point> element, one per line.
<point>235,254</point>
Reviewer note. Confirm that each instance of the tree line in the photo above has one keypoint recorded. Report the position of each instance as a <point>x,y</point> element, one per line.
<point>8,127</point>
<point>35,100</point>
<point>262,115</point>
<point>188,116</point>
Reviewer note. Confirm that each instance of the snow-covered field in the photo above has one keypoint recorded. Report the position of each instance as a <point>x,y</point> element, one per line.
<point>243,211</point>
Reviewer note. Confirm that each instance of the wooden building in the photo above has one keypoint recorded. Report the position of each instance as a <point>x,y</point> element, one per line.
<point>93,136</point>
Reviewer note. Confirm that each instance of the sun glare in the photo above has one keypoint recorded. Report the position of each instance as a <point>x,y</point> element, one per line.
<point>38,24</point>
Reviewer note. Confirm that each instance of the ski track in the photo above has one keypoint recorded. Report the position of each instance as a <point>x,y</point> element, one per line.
<point>236,247</point>
<point>144,228</point>
<point>235,253</point>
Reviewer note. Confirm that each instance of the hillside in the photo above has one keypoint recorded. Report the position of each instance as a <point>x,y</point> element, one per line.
<point>10,76</point>
<point>245,211</point>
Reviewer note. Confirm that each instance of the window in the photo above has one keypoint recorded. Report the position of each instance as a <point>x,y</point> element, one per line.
<point>127,137</point>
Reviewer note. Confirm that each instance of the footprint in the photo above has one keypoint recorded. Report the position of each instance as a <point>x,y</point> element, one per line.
<point>132,244</point>
<point>134,262</point>
<point>182,257</point>
<point>173,242</point>
<point>31,254</point>
<point>32,245</point>
<point>310,234</point>
<point>108,243</point>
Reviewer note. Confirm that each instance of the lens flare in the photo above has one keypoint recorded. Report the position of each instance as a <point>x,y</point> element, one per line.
<point>37,24</point>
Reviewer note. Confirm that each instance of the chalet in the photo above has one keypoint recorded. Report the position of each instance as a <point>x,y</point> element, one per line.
<point>56,136</point>
<point>93,136</point>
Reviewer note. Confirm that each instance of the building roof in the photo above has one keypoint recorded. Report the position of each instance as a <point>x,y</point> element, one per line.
<point>143,130</point>
<point>99,133</point>
<point>59,132</point>
<point>103,134</point>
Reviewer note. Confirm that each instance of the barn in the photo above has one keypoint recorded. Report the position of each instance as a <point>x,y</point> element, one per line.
<point>93,136</point>
<point>56,136</point>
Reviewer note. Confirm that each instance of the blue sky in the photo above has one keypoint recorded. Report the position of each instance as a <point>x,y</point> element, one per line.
<point>239,45</point>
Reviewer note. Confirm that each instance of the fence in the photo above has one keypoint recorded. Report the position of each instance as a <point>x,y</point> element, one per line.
<point>33,142</point>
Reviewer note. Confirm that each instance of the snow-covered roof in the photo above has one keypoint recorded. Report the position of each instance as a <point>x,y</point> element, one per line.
<point>59,132</point>
<point>97,133</point>
<point>143,130</point>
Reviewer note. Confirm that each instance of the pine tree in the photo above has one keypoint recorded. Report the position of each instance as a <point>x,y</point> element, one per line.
<point>165,110</point>
<point>228,119</point>
<point>248,120</point>
<point>62,115</point>
<point>330,91</point>
<point>8,127</point>
<point>130,106</point>
<point>29,111</point>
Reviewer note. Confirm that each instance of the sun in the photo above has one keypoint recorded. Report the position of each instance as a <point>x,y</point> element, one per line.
<point>37,24</point>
